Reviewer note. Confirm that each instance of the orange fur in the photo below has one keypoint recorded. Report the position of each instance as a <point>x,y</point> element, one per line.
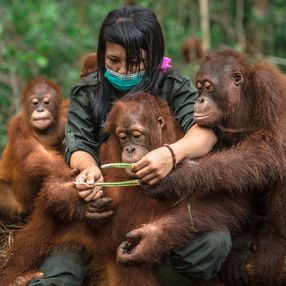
<point>59,219</point>
<point>192,50</point>
<point>89,64</point>
<point>20,178</point>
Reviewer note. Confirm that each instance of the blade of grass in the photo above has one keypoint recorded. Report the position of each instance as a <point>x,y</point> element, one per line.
<point>117,165</point>
<point>114,184</point>
<point>177,202</point>
<point>191,217</point>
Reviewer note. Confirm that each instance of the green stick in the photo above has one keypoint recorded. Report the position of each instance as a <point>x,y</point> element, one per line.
<point>177,202</point>
<point>114,184</point>
<point>191,217</point>
<point>117,165</point>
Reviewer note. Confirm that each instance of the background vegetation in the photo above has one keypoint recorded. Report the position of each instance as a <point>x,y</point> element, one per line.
<point>50,37</point>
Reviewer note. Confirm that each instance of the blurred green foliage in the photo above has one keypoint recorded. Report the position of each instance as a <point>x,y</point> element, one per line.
<point>50,38</point>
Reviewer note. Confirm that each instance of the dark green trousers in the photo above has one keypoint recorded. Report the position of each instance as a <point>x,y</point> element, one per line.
<point>201,259</point>
<point>62,269</point>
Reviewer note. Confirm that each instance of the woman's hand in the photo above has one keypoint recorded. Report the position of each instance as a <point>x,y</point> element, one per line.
<point>89,176</point>
<point>154,166</point>
<point>157,164</point>
<point>96,205</point>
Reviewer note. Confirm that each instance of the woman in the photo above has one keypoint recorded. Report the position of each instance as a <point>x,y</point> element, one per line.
<point>130,58</point>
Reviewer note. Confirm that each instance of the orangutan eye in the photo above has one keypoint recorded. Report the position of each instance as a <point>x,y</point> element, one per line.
<point>199,86</point>
<point>46,100</point>
<point>137,135</point>
<point>122,137</point>
<point>208,86</point>
<point>35,101</point>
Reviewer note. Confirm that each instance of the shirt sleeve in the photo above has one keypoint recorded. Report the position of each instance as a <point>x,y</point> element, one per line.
<point>181,96</point>
<point>79,131</point>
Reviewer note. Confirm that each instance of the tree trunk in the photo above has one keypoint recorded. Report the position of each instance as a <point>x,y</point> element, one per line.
<point>205,24</point>
<point>239,25</point>
<point>256,27</point>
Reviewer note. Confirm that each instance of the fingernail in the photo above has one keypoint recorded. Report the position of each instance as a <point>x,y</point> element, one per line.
<point>90,182</point>
<point>129,234</point>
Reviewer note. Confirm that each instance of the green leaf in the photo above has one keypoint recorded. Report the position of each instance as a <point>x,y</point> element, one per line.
<point>41,61</point>
<point>117,165</point>
<point>130,183</point>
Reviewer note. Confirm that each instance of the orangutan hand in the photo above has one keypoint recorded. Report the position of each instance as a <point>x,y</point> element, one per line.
<point>140,246</point>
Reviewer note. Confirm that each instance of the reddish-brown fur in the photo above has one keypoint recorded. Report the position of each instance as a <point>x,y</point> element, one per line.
<point>249,103</point>
<point>129,2</point>
<point>59,219</point>
<point>192,50</point>
<point>89,64</point>
<point>20,178</point>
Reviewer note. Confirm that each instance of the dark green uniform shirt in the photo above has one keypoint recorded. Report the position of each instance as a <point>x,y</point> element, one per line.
<point>176,89</point>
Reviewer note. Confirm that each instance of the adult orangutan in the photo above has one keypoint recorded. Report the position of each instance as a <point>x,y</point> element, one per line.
<point>37,132</point>
<point>135,125</point>
<point>246,107</point>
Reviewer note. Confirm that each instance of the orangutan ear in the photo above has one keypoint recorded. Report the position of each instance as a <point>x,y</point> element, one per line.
<point>161,122</point>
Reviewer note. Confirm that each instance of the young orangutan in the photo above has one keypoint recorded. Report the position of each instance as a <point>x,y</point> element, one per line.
<point>37,131</point>
<point>135,125</point>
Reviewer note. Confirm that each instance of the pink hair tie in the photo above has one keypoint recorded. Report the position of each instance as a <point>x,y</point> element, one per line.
<point>165,64</point>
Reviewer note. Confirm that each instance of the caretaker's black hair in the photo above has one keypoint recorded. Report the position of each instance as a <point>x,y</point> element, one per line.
<point>134,28</point>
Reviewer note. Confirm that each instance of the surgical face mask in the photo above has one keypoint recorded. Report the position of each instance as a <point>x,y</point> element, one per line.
<point>123,82</point>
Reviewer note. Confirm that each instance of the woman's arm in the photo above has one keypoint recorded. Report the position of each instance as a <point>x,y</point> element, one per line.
<point>154,166</point>
<point>79,131</point>
<point>196,143</point>
<point>81,143</point>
